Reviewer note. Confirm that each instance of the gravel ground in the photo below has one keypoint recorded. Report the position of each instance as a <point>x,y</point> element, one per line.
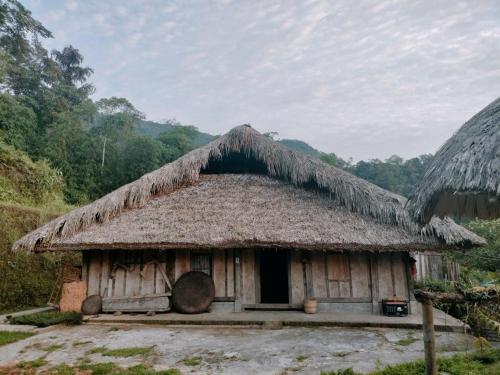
<point>230,350</point>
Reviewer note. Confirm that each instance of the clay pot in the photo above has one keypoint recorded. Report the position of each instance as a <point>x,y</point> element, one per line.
<point>310,306</point>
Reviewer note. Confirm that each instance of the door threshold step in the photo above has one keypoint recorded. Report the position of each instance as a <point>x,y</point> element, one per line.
<point>272,307</point>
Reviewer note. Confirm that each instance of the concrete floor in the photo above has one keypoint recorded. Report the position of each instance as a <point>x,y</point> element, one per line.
<point>442,321</point>
<point>233,350</point>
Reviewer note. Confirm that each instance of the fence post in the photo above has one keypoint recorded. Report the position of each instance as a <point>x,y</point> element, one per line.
<point>429,338</point>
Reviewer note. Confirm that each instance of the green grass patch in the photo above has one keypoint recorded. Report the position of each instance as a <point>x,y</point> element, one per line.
<point>301,358</point>
<point>486,362</point>
<point>192,361</point>
<point>7,337</point>
<point>110,368</point>
<point>408,340</point>
<point>62,369</point>
<point>100,368</point>
<point>53,348</point>
<point>36,363</point>
<point>46,319</point>
<point>143,370</point>
<point>122,352</point>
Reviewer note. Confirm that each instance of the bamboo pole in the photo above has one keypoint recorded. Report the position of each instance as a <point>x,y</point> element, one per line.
<point>429,338</point>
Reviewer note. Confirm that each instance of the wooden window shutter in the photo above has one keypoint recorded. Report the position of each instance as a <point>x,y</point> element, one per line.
<point>338,267</point>
<point>202,262</point>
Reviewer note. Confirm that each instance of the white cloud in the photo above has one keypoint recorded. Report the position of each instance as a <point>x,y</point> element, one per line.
<point>71,5</point>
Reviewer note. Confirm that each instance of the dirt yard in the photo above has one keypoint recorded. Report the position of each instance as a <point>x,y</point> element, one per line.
<point>228,350</point>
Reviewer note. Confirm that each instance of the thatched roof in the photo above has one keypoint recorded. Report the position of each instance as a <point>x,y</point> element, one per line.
<point>297,201</point>
<point>464,176</point>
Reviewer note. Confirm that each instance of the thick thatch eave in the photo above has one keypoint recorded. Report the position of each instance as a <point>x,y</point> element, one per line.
<point>464,176</point>
<point>352,193</point>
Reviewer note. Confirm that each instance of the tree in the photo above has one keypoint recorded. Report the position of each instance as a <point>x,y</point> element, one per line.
<point>18,29</point>
<point>330,158</point>
<point>142,154</point>
<point>393,174</point>
<point>71,149</point>
<point>69,61</point>
<point>178,141</point>
<point>114,105</point>
<point>17,123</point>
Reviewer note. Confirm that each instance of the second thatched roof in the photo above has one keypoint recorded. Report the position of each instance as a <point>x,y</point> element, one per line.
<point>464,177</point>
<point>309,205</point>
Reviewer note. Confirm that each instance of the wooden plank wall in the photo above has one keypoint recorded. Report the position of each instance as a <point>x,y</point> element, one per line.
<point>340,275</point>
<point>392,277</point>
<point>118,273</point>
<point>330,276</point>
<point>348,276</point>
<point>127,266</point>
<point>436,267</point>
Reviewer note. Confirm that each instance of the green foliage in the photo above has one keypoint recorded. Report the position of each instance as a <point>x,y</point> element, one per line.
<point>393,174</point>
<point>481,343</point>
<point>46,319</point>
<point>122,352</point>
<point>329,158</point>
<point>485,258</point>
<point>178,141</point>
<point>141,155</point>
<point>71,149</point>
<point>432,285</point>
<point>115,106</point>
<point>17,123</point>
<point>31,193</point>
<point>154,129</point>
<point>7,337</point>
<point>69,61</point>
<point>26,182</point>
<point>19,288</point>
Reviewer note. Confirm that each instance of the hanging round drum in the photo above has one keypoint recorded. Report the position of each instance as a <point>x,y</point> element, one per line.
<point>193,293</point>
<point>92,305</point>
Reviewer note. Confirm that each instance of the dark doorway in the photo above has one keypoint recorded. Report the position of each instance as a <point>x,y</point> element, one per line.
<point>274,276</point>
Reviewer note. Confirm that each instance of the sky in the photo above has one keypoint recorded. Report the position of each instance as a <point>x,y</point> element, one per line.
<point>363,79</point>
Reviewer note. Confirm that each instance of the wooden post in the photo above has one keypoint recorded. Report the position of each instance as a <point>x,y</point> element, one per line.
<point>429,338</point>
<point>237,281</point>
<point>426,298</point>
<point>374,285</point>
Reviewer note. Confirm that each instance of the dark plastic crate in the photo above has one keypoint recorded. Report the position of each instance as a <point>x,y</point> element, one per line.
<point>395,308</point>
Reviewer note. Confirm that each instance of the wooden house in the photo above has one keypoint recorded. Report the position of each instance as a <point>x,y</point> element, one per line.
<point>270,226</point>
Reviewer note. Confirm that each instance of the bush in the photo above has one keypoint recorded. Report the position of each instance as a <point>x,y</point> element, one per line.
<point>440,286</point>
<point>46,319</point>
